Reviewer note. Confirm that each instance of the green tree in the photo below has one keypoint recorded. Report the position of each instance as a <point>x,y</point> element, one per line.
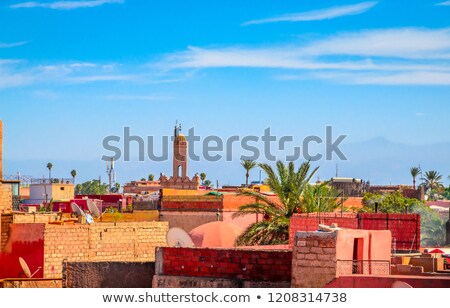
<point>289,185</point>
<point>432,180</point>
<point>151,177</point>
<point>143,179</point>
<point>94,187</point>
<point>117,187</point>
<point>203,177</point>
<point>207,183</point>
<point>73,173</point>
<point>49,167</point>
<point>248,166</point>
<point>432,227</point>
<point>415,172</point>
<point>387,203</point>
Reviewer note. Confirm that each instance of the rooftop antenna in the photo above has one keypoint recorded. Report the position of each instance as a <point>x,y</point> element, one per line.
<point>337,170</point>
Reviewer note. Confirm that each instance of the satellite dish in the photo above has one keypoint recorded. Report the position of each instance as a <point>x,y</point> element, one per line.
<point>93,208</point>
<point>89,219</point>
<point>26,269</point>
<point>177,237</point>
<point>76,209</point>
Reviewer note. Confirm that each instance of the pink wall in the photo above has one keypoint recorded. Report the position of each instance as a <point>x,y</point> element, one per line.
<point>379,282</point>
<point>376,244</point>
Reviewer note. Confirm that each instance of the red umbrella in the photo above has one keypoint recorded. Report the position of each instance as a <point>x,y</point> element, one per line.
<point>437,250</point>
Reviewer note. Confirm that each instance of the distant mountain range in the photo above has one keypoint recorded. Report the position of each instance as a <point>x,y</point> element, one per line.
<point>378,160</point>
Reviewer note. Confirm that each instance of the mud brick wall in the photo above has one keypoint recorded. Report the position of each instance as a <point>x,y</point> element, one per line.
<point>108,274</point>
<point>5,221</point>
<point>127,242</point>
<point>30,218</point>
<point>254,265</point>
<point>192,203</point>
<point>5,198</point>
<point>313,259</point>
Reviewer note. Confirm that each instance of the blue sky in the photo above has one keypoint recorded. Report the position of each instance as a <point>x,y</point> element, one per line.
<point>73,72</point>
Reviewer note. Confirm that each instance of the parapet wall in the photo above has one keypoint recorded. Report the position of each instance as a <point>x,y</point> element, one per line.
<point>131,242</point>
<point>246,265</point>
<point>5,198</point>
<point>192,203</point>
<point>108,274</point>
<point>405,228</point>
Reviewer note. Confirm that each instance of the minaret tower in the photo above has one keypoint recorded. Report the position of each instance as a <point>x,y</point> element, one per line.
<point>180,150</point>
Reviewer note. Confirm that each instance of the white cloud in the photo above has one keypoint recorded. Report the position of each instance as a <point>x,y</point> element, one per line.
<point>328,13</point>
<point>10,45</point>
<point>394,79</point>
<point>388,56</point>
<point>446,3</point>
<point>64,5</point>
<point>399,43</point>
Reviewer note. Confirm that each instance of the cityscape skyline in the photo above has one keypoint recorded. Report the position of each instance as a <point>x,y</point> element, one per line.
<point>377,71</point>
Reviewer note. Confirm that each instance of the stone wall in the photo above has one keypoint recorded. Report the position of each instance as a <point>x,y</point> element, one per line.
<point>108,274</point>
<point>130,242</point>
<point>313,259</point>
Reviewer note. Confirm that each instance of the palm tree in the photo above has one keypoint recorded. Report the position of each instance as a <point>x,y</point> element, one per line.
<point>415,171</point>
<point>434,232</point>
<point>151,177</point>
<point>73,173</point>
<point>49,167</point>
<point>289,185</point>
<point>203,178</point>
<point>320,198</point>
<point>248,165</point>
<point>432,180</point>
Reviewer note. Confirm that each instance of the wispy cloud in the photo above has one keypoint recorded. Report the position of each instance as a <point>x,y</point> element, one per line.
<point>138,97</point>
<point>417,78</point>
<point>10,45</point>
<point>446,3</point>
<point>407,43</point>
<point>388,56</point>
<point>64,5</point>
<point>329,13</point>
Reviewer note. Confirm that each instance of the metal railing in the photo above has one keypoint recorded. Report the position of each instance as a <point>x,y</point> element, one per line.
<point>362,267</point>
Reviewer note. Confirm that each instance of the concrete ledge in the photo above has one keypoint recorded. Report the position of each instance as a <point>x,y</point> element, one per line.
<point>163,281</point>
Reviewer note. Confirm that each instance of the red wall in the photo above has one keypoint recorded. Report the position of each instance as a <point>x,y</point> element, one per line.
<point>310,222</point>
<point>274,266</point>
<point>405,228</point>
<point>25,241</point>
<point>192,205</point>
<point>377,282</point>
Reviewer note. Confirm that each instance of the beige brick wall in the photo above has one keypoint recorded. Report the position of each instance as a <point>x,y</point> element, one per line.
<point>313,259</point>
<point>29,218</point>
<point>5,222</point>
<point>5,198</point>
<point>132,242</point>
